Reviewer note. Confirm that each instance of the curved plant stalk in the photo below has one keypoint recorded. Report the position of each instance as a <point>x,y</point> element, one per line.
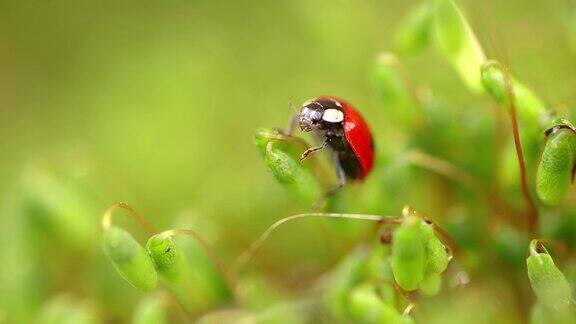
<point>532,213</point>
<point>107,217</point>
<point>243,259</point>
<point>408,309</point>
<point>228,276</point>
<point>536,247</point>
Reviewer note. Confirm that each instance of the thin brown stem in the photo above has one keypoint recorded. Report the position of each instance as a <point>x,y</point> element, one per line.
<point>243,259</point>
<point>107,217</point>
<point>229,277</point>
<point>532,212</point>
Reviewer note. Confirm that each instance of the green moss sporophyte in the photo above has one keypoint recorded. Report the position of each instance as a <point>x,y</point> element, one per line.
<point>548,282</point>
<point>556,168</point>
<point>128,257</point>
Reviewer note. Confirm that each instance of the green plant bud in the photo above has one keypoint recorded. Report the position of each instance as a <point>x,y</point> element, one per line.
<point>165,255</point>
<point>391,88</point>
<point>413,35</point>
<point>438,257</point>
<point>431,284</point>
<point>57,204</point>
<point>554,173</point>
<point>548,282</point>
<point>151,310</point>
<point>129,258</point>
<point>409,253</point>
<point>510,245</point>
<point>530,110</point>
<point>292,174</point>
<point>262,136</point>
<point>458,42</point>
<point>365,306</point>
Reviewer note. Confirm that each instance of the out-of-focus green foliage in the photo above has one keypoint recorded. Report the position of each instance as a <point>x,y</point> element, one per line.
<point>413,34</point>
<point>151,310</point>
<point>156,105</point>
<point>64,309</point>
<point>458,42</point>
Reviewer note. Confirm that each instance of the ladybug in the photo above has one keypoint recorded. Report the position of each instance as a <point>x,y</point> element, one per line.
<point>341,128</point>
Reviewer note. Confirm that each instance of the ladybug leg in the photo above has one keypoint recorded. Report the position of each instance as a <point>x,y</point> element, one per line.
<point>341,182</point>
<point>341,177</point>
<point>340,172</point>
<point>313,149</point>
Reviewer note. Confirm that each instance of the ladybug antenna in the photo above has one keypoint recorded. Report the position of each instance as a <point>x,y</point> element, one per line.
<point>293,106</point>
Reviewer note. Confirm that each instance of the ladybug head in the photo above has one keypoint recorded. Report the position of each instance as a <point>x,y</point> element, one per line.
<point>320,114</point>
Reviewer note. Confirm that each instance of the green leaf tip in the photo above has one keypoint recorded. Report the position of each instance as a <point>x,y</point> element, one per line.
<point>413,35</point>
<point>129,258</point>
<point>292,174</point>
<point>458,42</point>
<point>262,136</point>
<point>548,282</point>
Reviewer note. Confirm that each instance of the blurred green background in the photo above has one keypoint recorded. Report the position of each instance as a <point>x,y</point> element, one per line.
<point>155,102</point>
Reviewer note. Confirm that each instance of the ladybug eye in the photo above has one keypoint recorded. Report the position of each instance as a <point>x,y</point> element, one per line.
<point>312,115</point>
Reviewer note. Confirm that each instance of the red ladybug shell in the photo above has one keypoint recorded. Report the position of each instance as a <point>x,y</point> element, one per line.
<point>358,136</point>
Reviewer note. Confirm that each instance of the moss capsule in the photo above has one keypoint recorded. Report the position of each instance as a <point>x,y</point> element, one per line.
<point>556,166</point>
<point>165,256</point>
<point>531,111</point>
<point>409,253</point>
<point>431,284</point>
<point>129,258</point>
<point>548,282</point>
<point>292,175</point>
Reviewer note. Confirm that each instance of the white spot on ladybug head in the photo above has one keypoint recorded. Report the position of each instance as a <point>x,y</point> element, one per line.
<point>333,116</point>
